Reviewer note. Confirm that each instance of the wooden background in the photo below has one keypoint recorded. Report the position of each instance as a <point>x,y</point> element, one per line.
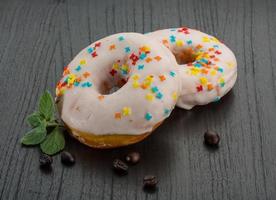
<point>39,37</point>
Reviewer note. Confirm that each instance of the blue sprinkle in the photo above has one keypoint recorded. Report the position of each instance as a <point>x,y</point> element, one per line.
<point>78,68</point>
<point>86,84</point>
<point>197,65</point>
<point>203,60</point>
<point>76,83</point>
<point>166,111</point>
<point>220,69</point>
<point>222,84</point>
<point>189,42</point>
<point>216,46</point>
<point>172,38</point>
<point>124,72</point>
<point>154,89</point>
<point>172,73</point>
<point>148,116</point>
<point>142,56</point>
<point>127,49</point>
<point>159,95</point>
<point>140,67</point>
<point>90,50</point>
<point>121,38</point>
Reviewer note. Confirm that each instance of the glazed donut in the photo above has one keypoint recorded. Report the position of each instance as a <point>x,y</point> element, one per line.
<point>208,69</point>
<point>147,85</point>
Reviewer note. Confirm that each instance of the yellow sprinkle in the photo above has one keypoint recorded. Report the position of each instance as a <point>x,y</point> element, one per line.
<point>174,96</point>
<point>124,67</point>
<point>135,84</point>
<point>195,71</point>
<point>126,111</point>
<point>136,77</point>
<point>145,48</point>
<point>221,80</point>
<point>149,97</point>
<point>179,43</point>
<point>115,66</point>
<point>230,65</point>
<point>147,83</point>
<point>213,72</point>
<point>71,78</point>
<point>203,80</point>
<point>82,62</point>
<point>205,39</point>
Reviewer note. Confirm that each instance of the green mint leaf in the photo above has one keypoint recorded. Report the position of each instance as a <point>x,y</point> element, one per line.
<point>34,119</point>
<point>35,136</point>
<point>53,143</point>
<point>46,106</point>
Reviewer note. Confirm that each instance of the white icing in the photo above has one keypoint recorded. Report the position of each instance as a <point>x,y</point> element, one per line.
<point>189,96</point>
<point>80,106</point>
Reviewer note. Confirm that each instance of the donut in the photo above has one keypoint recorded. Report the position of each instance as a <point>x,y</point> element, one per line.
<point>208,68</point>
<point>116,91</point>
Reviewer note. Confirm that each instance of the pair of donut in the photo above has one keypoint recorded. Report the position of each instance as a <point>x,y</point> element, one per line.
<point>116,91</point>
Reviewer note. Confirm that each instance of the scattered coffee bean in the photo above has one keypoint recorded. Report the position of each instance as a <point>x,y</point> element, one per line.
<point>45,160</point>
<point>67,158</point>
<point>150,182</point>
<point>133,158</point>
<point>211,138</point>
<point>120,167</point>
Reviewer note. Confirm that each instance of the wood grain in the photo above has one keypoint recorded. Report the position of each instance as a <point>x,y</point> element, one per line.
<point>39,37</point>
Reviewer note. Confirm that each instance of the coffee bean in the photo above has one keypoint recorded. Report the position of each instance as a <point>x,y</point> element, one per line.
<point>45,160</point>
<point>133,158</point>
<point>120,167</point>
<point>150,182</point>
<point>67,158</point>
<point>211,138</point>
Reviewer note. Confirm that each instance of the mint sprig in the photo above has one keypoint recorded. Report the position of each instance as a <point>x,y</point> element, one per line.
<point>54,142</point>
<point>46,129</point>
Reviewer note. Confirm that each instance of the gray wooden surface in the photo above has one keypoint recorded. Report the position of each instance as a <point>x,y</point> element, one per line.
<point>39,37</point>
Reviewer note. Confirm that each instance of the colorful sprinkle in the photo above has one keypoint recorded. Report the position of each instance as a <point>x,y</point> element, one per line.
<point>140,67</point>
<point>121,38</point>
<point>112,47</point>
<point>174,96</point>
<point>126,111</point>
<point>135,84</point>
<point>127,49</point>
<point>90,50</point>
<point>86,74</point>
<point>172,73</point>
<point>117,115</point>
<point>83,62</point>
<point>179,43</point>
<point>159,95</point>
<point>154,89</point>
<point>162,78</point>
<point>166,112</point>
<point>172,38</point>
<point>157,58</point>
<point>148,116</point>
<point>78,68</point>
<point>149,97</point>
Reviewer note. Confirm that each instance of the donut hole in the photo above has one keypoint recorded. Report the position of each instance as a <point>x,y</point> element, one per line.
<point>114,78</point>
<point>110,86</point>
<point>184,56</point>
